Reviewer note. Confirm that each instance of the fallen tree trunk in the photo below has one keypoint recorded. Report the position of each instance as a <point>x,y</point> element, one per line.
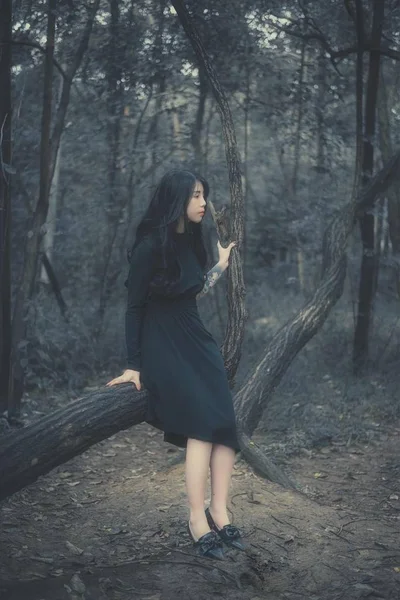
<point>27,453</point>
<point>33,451</point>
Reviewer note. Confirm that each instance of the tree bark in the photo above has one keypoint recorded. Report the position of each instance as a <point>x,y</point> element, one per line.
<point>161,85</point>
<point>113,208</point>
<point>47,266</point>
<point>246,165</point>
<point>197,126</point>
<point>27,453</point>
<point>51,219</point>
<point>296,166</point>
<point>320,112</point>
<point>393,195</point>
<point>5,200</point>
<point>369,263</point>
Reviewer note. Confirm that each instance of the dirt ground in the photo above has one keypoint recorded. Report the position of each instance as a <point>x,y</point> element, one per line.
<point>111,524</point>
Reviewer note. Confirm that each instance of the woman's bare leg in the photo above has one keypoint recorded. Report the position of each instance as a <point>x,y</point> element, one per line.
<point>197,464</point>
<point>221,464</point>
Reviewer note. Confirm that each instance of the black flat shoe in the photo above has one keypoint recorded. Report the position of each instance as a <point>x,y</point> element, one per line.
<point>208,544</point>
<point>228,533</point>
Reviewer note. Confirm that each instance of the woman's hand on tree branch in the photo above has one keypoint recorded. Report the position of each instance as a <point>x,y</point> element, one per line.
<point>129,375</point>
<point>224,253</point>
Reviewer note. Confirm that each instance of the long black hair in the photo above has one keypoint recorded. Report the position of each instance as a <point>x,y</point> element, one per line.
<point>168,204</point>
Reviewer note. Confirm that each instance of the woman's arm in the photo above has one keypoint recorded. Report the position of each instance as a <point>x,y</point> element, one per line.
<point>140,273</point>
<point>215,273</point>
<point>212,277</point>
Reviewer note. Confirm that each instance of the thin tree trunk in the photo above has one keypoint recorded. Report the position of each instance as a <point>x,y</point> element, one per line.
<point>51,221</point>
<point>299,123</point>
<point>46,264</point>
<point>177,141</point>
<point>5,200</point>
<point>369,265</point>
<point>296,166</point>
<point>48,239</point>
<point>359,97</point>
<point>198,123</point>
<point>134,179</point>
<point>207,145</point>
<point>62,108</point>
<point>319,110</point>
<point>247,125</point>
<point>152,135</point>
<point>39,217</point>
<point>379,235</point>
<point>115,100</point>
<point>393,194</point>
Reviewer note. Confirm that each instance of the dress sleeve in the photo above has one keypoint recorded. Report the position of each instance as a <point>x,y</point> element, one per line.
<point>139,276</point>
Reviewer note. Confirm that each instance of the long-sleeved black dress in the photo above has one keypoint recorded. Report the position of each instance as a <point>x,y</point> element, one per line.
<point>179,361</point>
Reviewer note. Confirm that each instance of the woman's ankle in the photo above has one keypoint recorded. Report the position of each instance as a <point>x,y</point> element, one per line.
<point>220,514</point>
<point>198,523</point>
<point>218,507</point>
<point>196,514</point>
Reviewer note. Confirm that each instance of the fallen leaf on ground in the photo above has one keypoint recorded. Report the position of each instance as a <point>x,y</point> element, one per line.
<point>74,549</point>
<point>77,584</point>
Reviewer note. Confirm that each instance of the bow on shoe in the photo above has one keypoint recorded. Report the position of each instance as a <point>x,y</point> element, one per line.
<point>231,535</point>
<point>231,532</point>
<point>209,540</point>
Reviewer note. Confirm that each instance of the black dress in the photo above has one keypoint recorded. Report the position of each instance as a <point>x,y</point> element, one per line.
<point>179,361</point>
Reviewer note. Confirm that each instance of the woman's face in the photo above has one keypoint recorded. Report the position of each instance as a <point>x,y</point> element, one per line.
<point>197,204</point>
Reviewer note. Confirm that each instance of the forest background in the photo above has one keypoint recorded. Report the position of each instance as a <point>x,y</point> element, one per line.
<point>291,111</point>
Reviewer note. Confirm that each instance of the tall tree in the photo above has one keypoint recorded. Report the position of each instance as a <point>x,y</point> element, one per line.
<point>369,263</point>
<point>5,199</point>
<point>114,105</point>
<point>393,194</point>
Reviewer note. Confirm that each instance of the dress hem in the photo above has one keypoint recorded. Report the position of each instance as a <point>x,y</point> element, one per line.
<point>180,439</point>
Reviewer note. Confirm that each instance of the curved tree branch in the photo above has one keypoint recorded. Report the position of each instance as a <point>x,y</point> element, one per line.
<point>368,45</point>
<point>251,399</point>
<point>237,314</point>
<point>37,46</point>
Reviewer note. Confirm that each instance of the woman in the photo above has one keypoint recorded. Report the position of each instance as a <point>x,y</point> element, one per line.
<point>178,361</point>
